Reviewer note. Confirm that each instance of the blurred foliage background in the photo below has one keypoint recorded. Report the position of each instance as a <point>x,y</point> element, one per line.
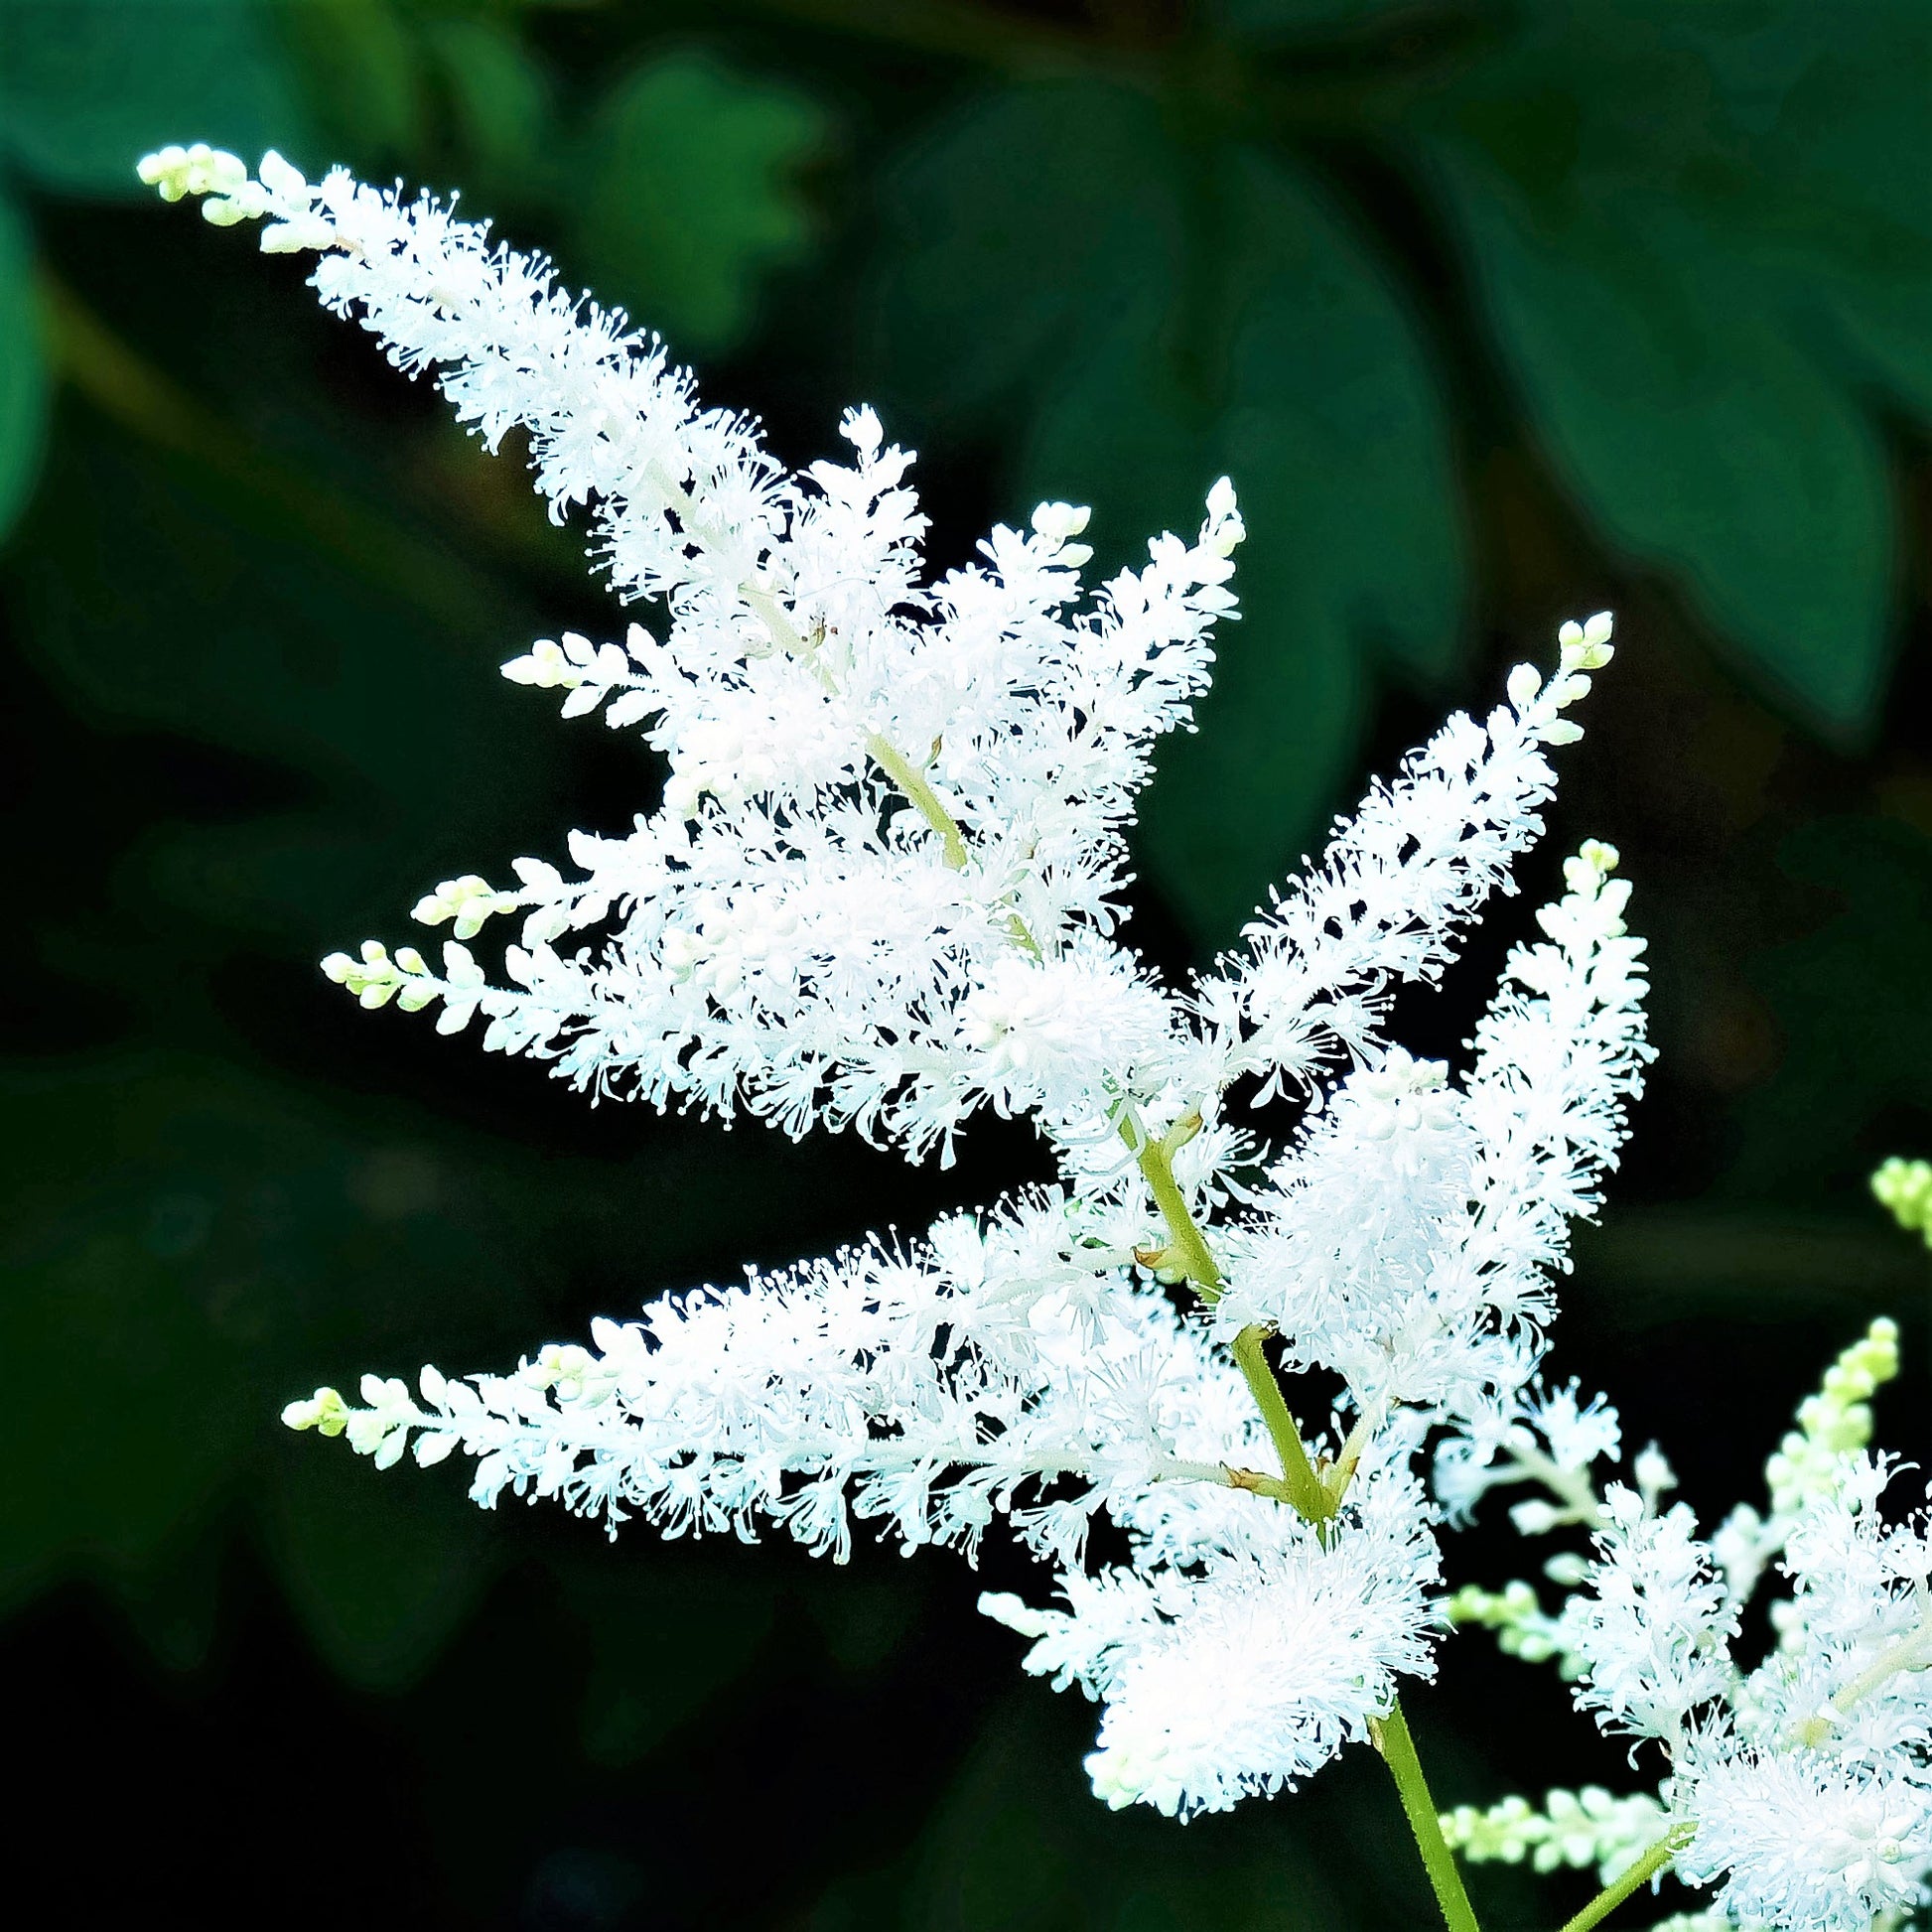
<point>1499,313</point>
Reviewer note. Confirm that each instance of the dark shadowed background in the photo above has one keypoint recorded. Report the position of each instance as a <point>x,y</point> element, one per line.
<point>1498,313</point>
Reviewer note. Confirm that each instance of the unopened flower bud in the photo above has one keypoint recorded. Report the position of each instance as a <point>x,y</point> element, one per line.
<point>1524,682</point>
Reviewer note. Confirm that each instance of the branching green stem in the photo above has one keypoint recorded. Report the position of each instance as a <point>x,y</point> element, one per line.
<point>898,767</point>
<point>1188,1248</point>
<point>1398,1748</point>
<point>1305,1489</point>
<point>1189,1252</point>
<point>1630,1883</point>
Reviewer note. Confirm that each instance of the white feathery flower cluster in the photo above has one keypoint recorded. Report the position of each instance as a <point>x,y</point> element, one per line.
<point>1799,1786</point>
<point>875,780</point>
<point>880,889</point>
<point>1652,1632</point>
<point>927,1388</point>
<point>1408,1242</point>
<point>1243,1675</point>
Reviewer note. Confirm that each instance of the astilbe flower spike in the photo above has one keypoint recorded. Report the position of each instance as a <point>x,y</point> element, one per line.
<point>881,890</point>
<point>1797,1787</point>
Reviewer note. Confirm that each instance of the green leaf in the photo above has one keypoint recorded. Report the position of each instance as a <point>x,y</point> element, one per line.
<point>1680,405</point>
<point>1849,989</point>
<point>689,196</point>
<point>1697,237</point>
<point>23,368</point>
<point>1247,331</point>
<point>1842,140</point>
<point>501,105</point>
<point>362,70</point>
<point>87,87</point>
<point>1011,228</point>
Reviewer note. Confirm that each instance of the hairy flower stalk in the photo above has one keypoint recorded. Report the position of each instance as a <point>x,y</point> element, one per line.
<point>882,890</point>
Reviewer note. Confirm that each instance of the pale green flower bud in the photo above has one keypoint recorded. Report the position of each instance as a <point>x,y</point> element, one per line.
<point>1524,682</point>
<point>1905,1188</point>
<point>325,1410</point>
<point>1586,647</point>
<point>468,901</point>
<point>1060,520</point>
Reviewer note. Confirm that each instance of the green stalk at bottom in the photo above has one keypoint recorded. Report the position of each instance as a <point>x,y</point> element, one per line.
<point>1630,1883</point>
<point>1398,1748</point>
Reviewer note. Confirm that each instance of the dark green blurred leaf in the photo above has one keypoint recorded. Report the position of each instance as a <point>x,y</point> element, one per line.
<point>23,367</point>
<point>88,87</point>
<point>500,103</point>
<point>1265,21</point>
<point>118,1449</point>
<point>1706,439</point>
<point>688,194</point>
<point>1836,111</point>
<point>157,595</point>
<point>1694,243</point>
<point>179,1240</point>
<point>1015,225</point>
<point>1222,319</point>
<point>1853,996</point>
<point>361,71</point>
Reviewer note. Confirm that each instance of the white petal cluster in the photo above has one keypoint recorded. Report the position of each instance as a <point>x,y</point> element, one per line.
<point>1653,1630</point>
<point>1406,1243</point>
<point>1801,1783</point>
<point>1807,1841</point>
<point>986,1368</point>
<point>880,888</point>
<point>1246,1673</point>
<point>875,779</point>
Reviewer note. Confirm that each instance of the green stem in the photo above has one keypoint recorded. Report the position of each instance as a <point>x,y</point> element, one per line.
<point>1187,1246</point>
<point>1398,1748</point>
<point>1305,1489</point>
<point>1189,1251</point>
<point>898,767</point>
<point>1630,1883</point>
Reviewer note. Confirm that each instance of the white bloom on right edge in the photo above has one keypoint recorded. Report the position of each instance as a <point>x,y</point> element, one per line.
<point>1807,1841</point>
<point>1798,1788</point>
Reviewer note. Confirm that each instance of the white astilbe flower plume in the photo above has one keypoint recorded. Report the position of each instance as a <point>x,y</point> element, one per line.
<point>882,890</point>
